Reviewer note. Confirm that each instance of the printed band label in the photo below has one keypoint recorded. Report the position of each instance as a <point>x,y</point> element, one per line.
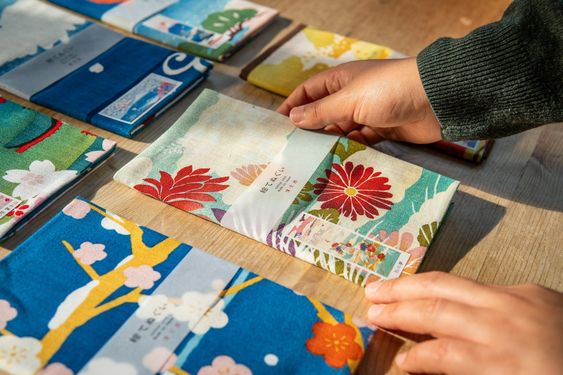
<point>7,204</point>
<point>140,99</point>
<point>177,307</point>
<point>129,13</point>
<point>370,255</point>
<point>262,205</point>
<point>56,63</point>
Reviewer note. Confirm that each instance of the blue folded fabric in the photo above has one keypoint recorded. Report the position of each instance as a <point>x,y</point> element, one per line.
<point>87,71</point>
<point>107,296</point>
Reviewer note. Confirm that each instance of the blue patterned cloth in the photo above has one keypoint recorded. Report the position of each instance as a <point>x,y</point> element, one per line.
<point>108,296</point>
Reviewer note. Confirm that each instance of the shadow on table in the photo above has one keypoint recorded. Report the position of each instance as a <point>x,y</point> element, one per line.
<point>380,354</point>
<point>518,168</point>
<point>469,220</point>
<point>249,51</point>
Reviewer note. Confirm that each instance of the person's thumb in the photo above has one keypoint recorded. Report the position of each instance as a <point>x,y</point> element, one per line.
<point>326,111</point>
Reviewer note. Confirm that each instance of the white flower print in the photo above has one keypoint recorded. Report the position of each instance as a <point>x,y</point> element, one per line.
<point>201,312</point>
<point>18,355</point>
<point>93,156</point>
<point>41,178</point>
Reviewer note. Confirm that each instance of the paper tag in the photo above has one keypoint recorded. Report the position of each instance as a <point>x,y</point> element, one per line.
<point>177,307</point>
<point>56,63</point>
<point>7,204</point>
<point>129,13</point>
<point>187,32</point>
<point>140,99</point>
<point>371,255</point>
<point>262,205</point>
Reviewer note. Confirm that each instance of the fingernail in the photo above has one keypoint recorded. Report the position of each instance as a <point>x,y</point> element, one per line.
<point>297,114</point>
<point>400,358</point>
<point>371,288</point>
<point>374,312</point>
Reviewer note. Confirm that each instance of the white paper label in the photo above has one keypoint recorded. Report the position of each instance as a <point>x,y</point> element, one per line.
<point>56,63</point>
<point>262,205</point>
<point>7,204</point>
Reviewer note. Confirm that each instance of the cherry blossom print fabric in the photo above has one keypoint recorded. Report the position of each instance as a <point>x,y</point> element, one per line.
<point>357,213</point>
<point>107,296</point>
<point>41,157</point>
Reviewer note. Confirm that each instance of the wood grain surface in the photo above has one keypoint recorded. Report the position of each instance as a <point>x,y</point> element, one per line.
<point>505,227</point>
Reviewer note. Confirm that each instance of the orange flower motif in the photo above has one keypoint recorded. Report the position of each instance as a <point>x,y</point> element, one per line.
<point>246,174</point>
<point>335,342</point>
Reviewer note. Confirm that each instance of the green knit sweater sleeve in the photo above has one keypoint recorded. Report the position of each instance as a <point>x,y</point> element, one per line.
<point>502,78</point>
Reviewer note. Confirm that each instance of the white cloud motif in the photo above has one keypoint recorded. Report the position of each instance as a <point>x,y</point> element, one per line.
<point>110,224</point>
<point>41,178</point>
<point>34,25</point>
<point>105,366</point>
<point>71,303</point>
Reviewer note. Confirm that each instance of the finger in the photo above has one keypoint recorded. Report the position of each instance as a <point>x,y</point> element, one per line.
<point>331,109</point>
<point>436,317</point>
<point>432,285</point>
<point>443,356</point>
<point>315,88</point>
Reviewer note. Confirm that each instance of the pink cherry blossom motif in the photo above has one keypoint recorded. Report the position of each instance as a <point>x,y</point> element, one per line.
<point>7,313</point>
<point>224,365</point>
<point>89,253</point>
<point>77,209</point>
<point>160,359</point>
<point>56,368</point>
<point>140,277</point>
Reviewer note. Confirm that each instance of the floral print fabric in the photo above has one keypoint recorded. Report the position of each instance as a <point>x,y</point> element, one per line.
<point>98,277</point>
<point>212,29</point>
<point>346,217</point>
<point>34,171</point>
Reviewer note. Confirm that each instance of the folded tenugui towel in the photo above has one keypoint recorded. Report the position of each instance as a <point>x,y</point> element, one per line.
<point>212,29</point>
<point>325,199</point>
<point>40,158</point>
<point>87,71</point>
<point>95,293</point>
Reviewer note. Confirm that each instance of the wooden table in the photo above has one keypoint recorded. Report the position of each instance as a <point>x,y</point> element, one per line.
<point>506,225</point>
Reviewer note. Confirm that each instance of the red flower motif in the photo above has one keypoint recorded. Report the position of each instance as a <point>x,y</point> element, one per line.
<point>186,190</point>
<point>354,190</point>
<point>18,211</point>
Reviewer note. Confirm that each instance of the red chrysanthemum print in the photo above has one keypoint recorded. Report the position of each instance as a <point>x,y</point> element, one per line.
<point>185,190</point>
<point>354,190</point>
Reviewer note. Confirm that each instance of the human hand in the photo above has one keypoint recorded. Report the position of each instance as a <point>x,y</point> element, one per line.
<point>478,329</point>
<point>366,101</point>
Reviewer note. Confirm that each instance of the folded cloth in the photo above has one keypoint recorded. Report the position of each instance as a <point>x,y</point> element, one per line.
<point>306,51</point>
<point>325,199</point>
<point>41,158</point>
<point>87,71</point>
<point>107,296</point>
<point>212,29</point>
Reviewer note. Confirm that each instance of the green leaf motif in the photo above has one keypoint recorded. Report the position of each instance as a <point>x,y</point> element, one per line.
<point>344,153</point>
<point>304,194</point>
<point>426,233</point>
<point>329,214</point>
<point>221,22</point>
<point>5,219</point>
<point>339,266</point>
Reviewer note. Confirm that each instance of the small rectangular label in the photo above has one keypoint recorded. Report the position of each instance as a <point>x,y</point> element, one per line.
<point>342,243</point>
<point>139,100</point>
<point>186,32</point>
<point>129,13</point>
<point>7,204</point>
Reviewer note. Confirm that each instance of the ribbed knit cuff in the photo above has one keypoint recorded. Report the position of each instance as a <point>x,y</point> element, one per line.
<point>481,86</point>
